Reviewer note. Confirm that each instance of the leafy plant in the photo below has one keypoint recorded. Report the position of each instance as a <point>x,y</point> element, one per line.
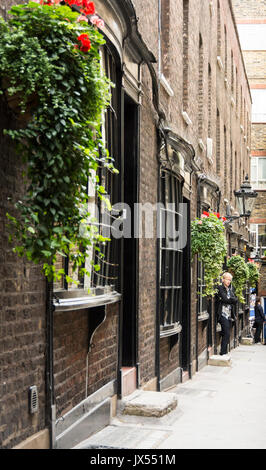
<point>47,54</point>
<point>239,269</point>
<point>209,243</point>
<point>253,274</point>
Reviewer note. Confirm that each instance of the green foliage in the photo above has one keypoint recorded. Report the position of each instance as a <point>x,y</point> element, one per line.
<point>61,144</point>
<point>238,268</point>
<point>253,275</point>
<point>209,243</point>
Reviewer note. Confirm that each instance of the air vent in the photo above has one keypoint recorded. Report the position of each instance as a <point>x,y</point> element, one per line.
<point>33,399</point>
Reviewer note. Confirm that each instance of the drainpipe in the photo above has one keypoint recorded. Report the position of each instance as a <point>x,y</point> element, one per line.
<point>50,402</point>
<point>200,179</point>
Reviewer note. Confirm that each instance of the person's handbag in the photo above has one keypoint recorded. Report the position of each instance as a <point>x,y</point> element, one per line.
<point>254,324</point>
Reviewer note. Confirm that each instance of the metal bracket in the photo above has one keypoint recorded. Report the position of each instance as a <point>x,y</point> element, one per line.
<point>96,317</point>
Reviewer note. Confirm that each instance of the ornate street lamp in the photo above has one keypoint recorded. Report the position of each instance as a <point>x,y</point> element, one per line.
<point>245,200</point>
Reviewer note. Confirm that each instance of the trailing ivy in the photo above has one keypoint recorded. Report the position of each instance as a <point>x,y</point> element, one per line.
<point>238,268</point>
<point>50,59</point>
<point>253,274</point>
<point>209,243</point>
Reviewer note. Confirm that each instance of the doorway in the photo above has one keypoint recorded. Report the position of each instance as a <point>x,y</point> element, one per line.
<point>130,246</point>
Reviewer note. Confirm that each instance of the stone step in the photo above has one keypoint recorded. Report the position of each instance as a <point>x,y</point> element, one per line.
<point>222,361</point>
<point>247,341</point>
<point>149,403</point>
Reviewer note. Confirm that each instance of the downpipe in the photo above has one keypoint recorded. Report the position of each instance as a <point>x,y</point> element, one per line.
<point>50,402</point>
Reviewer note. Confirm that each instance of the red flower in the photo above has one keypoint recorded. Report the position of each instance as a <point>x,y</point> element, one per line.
<point>83,36</point>
<point>85,42</point>
<point>86,45</point>
<point>89,8</point>
<point>205,213</point>
<point>87,5</point>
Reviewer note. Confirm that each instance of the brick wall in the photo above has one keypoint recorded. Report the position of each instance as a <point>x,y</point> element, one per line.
<point>70,356</point>
<point>255,66</point>
<point>147,247</point>
<point>262,281</point>
<point>22,314</point>
<point>249,8</point>
<point>258,134</point>
<point>259,211</point>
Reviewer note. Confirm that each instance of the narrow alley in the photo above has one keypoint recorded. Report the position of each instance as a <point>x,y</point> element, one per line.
<point>220,408</point>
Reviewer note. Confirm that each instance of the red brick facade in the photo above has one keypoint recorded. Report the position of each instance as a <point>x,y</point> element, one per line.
<point>215,95</point>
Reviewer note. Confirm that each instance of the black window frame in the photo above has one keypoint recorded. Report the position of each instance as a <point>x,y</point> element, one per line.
<point>170,258</point>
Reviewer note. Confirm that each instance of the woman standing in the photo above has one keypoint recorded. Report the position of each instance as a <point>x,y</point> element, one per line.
<point>259,320</point>
<point>225,302</point>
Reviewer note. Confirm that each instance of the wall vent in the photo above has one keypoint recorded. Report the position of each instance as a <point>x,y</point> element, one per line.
<point>33,399</point>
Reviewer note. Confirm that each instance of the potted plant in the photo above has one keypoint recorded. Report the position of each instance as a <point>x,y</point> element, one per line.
<point>208,241</point>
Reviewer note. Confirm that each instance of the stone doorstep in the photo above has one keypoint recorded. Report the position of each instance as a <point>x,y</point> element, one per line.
<point>247,341</point>
<point>222,361</point>
<point>149,403</point>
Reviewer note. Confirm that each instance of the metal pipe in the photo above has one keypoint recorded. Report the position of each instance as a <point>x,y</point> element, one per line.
<point>157,329</point>
<point>50,402</point>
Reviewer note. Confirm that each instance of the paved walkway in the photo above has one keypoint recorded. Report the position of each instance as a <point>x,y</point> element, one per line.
<point>219,408</point>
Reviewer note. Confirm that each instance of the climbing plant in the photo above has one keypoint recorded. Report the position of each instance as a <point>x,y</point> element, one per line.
<point>50,60</point>
<point>237,266</point>
<point>209,243</point>
<point>253,274</point>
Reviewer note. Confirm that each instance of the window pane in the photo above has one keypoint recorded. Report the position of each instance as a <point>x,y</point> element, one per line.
<point>252,36</point>
<point>258,105</point>
<point>262,235</point>
<point>253,169</point>
<point>166,306</point>
<point>171,258</point>
<point>262,169</point>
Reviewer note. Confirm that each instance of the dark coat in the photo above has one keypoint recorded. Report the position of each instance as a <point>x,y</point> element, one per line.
<point>221,298</point>
<point>259,315</point>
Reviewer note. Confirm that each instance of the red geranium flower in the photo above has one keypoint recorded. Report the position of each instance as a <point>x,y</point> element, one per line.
<point>89,5</point>
<point>85,42</point>
<point>205,213</point>
<point>89,8</point>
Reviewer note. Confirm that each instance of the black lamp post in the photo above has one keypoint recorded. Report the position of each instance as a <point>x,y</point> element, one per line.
<point>245,200</point>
